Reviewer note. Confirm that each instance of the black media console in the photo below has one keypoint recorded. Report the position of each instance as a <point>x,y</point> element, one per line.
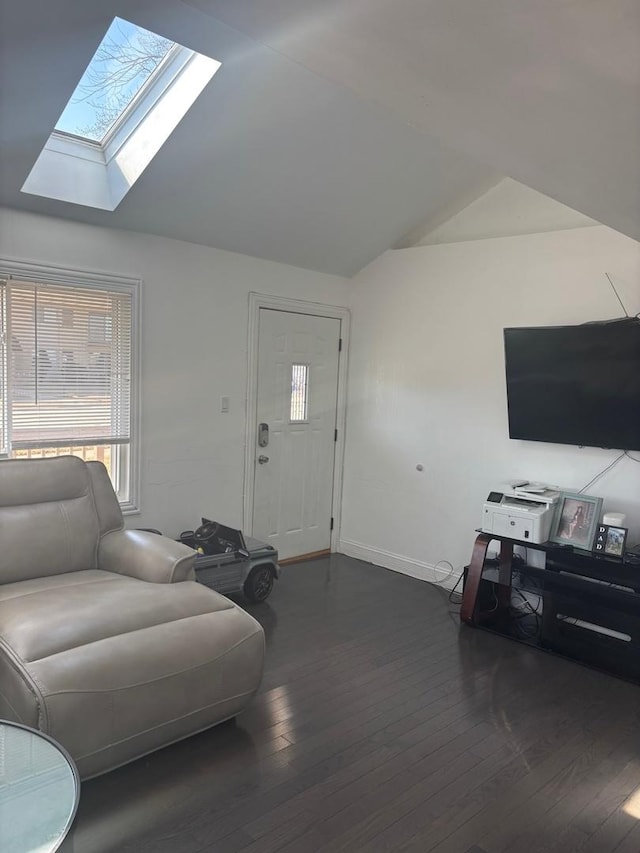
<point>584,606</point>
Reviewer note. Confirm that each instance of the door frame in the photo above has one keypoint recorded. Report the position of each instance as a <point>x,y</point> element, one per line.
<point>258,301</point>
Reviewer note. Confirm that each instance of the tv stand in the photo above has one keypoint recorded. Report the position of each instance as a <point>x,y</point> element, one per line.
<point>587,605</point>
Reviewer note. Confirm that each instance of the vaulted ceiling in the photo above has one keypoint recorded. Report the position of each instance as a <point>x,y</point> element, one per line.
<point>333,129</point>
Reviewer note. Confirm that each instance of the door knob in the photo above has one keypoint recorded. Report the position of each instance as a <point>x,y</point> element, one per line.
<point>263,459</point>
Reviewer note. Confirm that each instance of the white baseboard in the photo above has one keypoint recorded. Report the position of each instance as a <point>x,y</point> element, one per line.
<point>414,568</point>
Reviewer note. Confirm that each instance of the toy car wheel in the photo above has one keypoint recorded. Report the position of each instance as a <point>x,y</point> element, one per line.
<point>259,583</point>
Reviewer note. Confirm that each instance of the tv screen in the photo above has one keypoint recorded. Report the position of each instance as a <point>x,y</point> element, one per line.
<point>575,384</point>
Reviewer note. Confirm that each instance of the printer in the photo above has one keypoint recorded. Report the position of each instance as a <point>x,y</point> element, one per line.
<point>522,511</point>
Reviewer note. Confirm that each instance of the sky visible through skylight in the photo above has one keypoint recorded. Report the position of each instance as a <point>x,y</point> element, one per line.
<point>124,61</point>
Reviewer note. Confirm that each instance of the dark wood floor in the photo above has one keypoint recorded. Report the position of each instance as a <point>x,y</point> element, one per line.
<point>382,725</point>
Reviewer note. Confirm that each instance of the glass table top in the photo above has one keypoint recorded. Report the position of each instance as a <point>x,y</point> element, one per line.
<point>39,791</point>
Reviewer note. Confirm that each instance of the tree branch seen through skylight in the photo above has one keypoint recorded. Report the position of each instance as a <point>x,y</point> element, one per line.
<point>125,60</point>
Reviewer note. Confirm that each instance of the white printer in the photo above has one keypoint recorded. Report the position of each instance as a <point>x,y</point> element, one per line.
<point>522,511</point>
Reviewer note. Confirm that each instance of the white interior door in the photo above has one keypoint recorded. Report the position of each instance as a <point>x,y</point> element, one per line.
<point>297,385</point>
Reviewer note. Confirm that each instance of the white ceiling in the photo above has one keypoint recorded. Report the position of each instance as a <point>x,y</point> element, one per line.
<point>335,128</point>
<point>545,91</point>
<point>272,160</point>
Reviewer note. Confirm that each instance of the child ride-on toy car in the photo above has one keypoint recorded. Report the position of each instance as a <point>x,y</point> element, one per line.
<point>228,562</point>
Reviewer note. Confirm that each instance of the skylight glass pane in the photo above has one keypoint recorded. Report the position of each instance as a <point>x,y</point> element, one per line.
<point>124,62</point>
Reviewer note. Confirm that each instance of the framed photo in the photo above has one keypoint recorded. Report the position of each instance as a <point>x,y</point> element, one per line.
<point>576,520</point>
<point>610,540</point>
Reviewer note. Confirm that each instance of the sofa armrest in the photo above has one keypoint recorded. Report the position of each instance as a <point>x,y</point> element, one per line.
<point>146,556</point>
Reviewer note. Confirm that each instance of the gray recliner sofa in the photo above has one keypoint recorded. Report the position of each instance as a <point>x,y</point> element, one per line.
<point>107,643</point>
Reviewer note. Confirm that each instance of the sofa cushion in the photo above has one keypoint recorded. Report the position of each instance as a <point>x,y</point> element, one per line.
<point>48,519</point>
<point>46,616</point>
<point>35,481</point>
<point>113,667</point>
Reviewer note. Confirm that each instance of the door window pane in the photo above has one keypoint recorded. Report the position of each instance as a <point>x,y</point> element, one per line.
<point>299,392</point>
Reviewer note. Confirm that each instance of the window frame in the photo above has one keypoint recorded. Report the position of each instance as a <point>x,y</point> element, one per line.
<point>5,347</point>
<point>100,174</point>
<point>89,279</point>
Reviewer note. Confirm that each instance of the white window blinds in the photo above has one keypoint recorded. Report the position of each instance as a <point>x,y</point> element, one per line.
<point>3,372</point>
<point>69,359</point>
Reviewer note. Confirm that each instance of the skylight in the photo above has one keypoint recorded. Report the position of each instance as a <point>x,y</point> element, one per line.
<point>133,94</point>
<point>126,59</point>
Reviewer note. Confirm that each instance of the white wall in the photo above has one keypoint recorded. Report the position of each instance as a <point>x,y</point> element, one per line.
<point>194,349</point>
<point>507,209</point>
<point>427,387</point>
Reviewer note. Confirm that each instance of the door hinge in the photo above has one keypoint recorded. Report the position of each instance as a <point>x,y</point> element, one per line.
<point>335,435</point>
<point>331,525</point>
<point>339,344</point>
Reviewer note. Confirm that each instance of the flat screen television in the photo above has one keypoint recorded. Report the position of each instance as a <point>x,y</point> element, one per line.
<point>575,384</point>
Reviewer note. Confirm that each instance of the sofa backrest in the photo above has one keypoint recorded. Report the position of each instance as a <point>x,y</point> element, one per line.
<point>49,520</point>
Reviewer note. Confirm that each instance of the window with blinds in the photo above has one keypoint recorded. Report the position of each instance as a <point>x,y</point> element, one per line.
<point>66,374</point>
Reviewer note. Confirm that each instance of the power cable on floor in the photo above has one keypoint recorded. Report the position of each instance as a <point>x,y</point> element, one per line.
<point>453,591</point>
<point>435,570</point>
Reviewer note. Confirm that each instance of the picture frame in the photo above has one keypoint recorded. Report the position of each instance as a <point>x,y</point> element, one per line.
<point>576,520</point>
<point>610,540</point>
